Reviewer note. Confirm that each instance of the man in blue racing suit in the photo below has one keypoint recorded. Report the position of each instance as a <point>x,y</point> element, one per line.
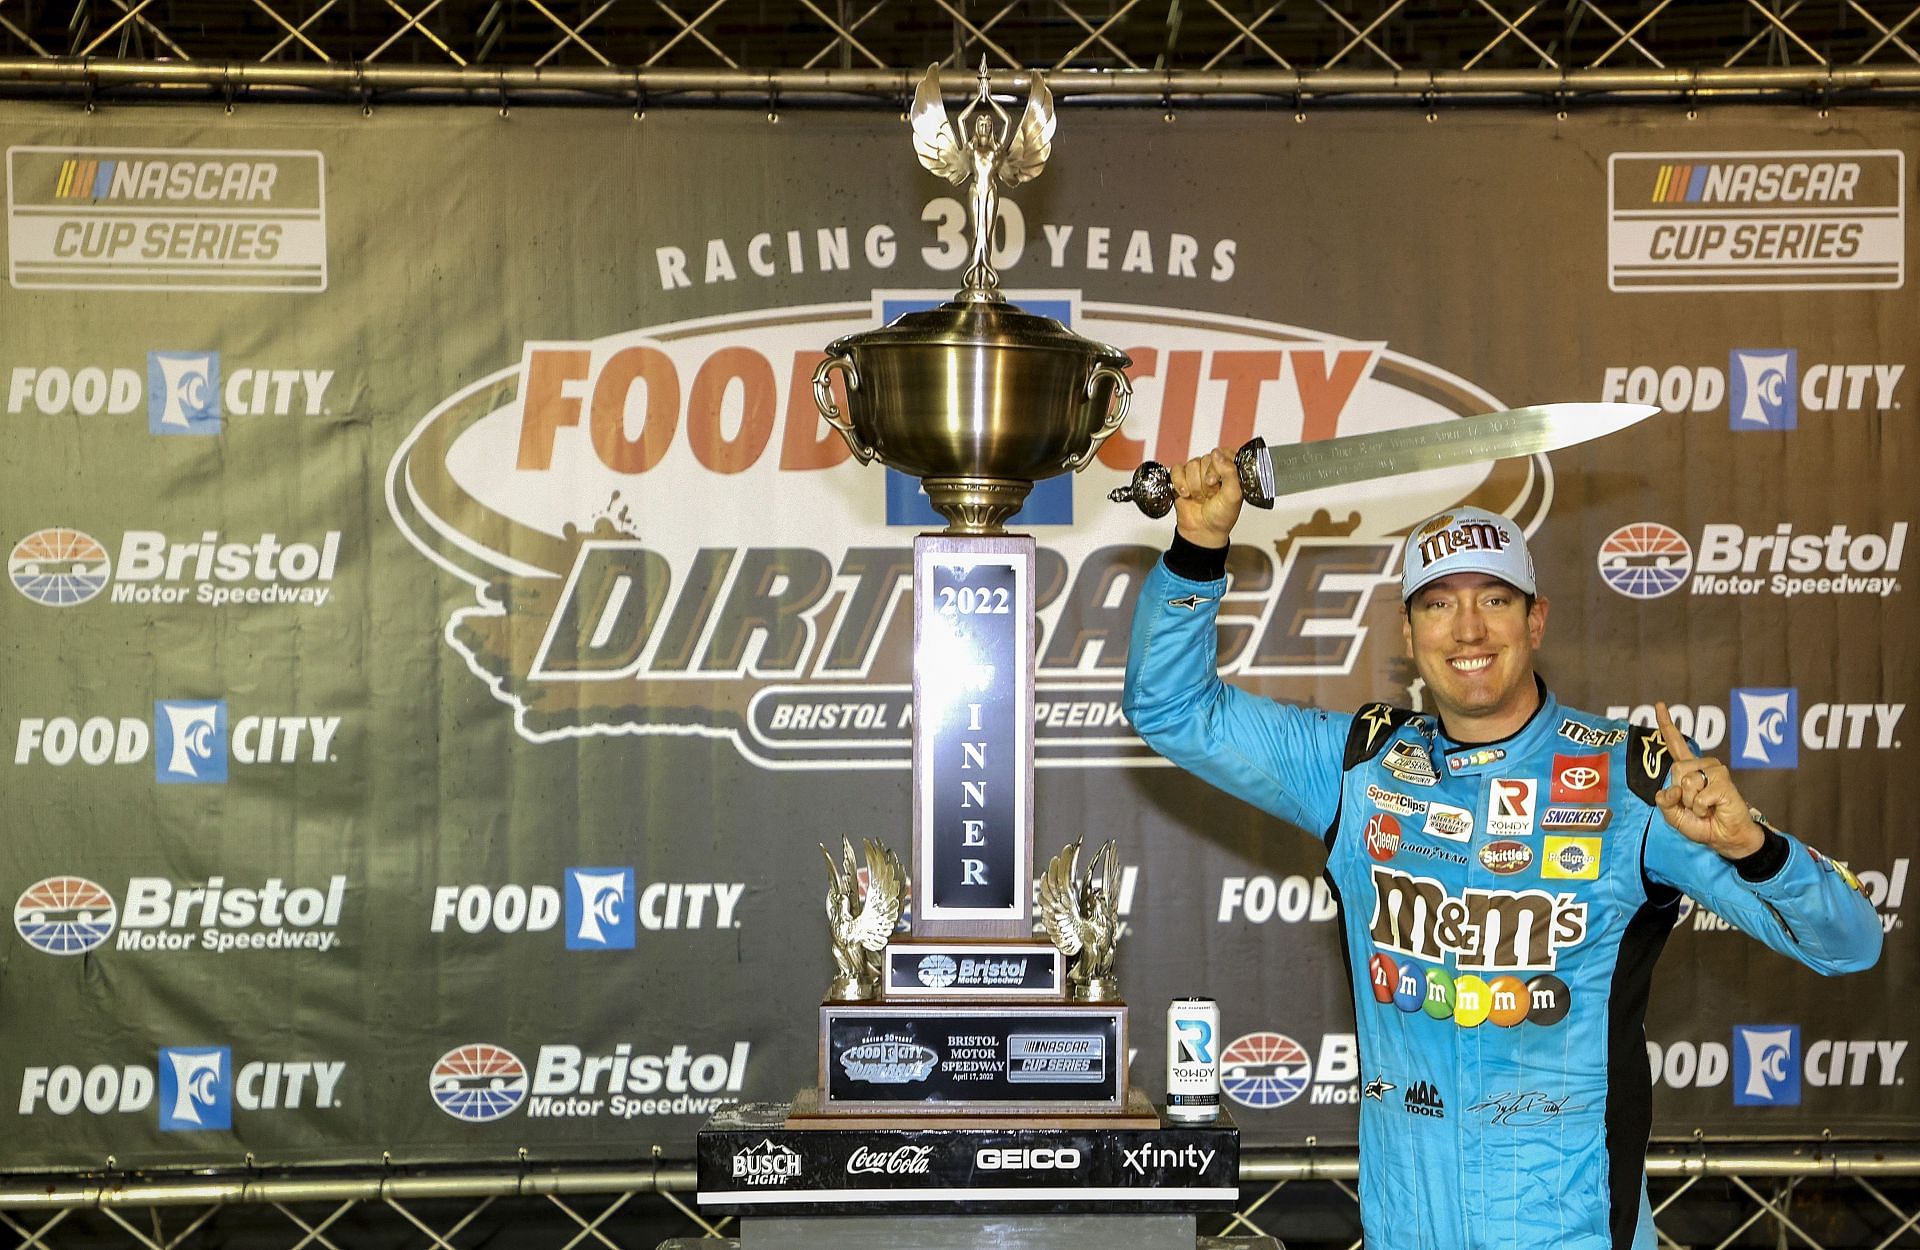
<point>1507,871</point>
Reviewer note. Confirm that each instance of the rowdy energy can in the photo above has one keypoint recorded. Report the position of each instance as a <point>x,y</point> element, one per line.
<point>1193,1059</point>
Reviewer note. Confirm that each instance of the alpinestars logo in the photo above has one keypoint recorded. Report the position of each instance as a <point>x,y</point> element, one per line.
<point>1482,928</point>
<point>599,604</point>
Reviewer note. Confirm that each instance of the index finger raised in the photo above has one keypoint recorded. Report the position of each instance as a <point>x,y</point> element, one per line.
<point>1676,744</point>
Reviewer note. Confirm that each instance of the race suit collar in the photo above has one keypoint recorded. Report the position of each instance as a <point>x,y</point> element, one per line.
<point>1466,759</point>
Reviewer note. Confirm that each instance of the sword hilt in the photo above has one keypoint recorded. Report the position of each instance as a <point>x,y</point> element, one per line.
<point>1152,487</point>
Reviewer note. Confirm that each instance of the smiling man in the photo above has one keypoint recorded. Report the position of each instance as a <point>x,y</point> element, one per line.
<point>1507,870</point>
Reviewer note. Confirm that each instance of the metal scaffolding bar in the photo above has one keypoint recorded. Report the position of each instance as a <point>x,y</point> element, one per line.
<point>358,82</point>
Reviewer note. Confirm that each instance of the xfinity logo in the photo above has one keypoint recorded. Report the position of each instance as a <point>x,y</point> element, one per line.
<point>599,909</point>
<point>1024,1159</point>
<point>1188,1158</point>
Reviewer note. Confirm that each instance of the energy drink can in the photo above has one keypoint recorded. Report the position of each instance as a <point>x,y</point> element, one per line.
<point>1193,1059</point>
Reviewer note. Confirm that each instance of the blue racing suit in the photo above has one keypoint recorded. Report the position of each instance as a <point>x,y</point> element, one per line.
<point>1502,905</point>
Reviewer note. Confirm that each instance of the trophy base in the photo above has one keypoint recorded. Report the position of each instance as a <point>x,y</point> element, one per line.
<point>980,1058</point>
<point>976,505</point>
<point>1138,1113</point>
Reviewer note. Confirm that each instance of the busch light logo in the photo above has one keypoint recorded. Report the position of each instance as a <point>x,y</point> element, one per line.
<point>196,1088</point>
<point>1763,728</point>
<point>1264,1070</point>
<point>1645,560</point>
<point>1764,389</point>
<point>478,1083</point>
<point>599,909</point>
<point>64,915</point>
<point>192,737</point>
<point>183,392</point>
<point>1766,1065</point>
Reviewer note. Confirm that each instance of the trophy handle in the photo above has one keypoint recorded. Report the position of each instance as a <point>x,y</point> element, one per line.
<point>823,400</point>
<point>1123,392</point>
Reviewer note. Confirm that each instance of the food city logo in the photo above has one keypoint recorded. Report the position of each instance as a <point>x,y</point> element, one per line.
<point>182,391</point>
<point>1769,726</point>
<point>480,1082</point>
<point>61,568</point>
<point>1764,388</point>
<point>1756,221</point>
<point>622,508</point>
<point>68,915</point>
<point>1265,1070</point>
<point>197,1088</point>
<point>191,741</point>
<point>1649,560</point>
<point>1766,1066</point>
<point>602,907</point>
<point>166,219</point>
<point>1887,891</point>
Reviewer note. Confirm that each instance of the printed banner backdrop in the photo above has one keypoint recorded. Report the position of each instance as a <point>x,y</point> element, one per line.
<point>441,629</point>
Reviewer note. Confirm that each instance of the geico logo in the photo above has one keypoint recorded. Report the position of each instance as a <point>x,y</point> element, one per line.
<point>1683,1065</point>
<point>1853,1063</point>
<point>60,740</point>
<point>537,908</point>
<point>1823,726</point>
<point>1823,387</point>
<point>564,1069</point>
<point>90,391</point>
<point>1022,1159</point>
<point>156,903</point>
<point>1289,899</point>
<point>261,1085</point>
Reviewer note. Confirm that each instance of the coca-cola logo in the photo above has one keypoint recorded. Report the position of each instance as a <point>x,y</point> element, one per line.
<point>900,1161</point>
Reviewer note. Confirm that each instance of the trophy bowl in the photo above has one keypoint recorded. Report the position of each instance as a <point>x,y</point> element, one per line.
<point>977,398</point>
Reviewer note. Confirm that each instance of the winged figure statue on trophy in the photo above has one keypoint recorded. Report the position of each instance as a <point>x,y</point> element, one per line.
<point>1083,918</point>
<point>984,146</point>
<point>861,922</point>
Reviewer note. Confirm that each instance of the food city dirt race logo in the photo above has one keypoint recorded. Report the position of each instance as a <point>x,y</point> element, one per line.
<point>624,510</point>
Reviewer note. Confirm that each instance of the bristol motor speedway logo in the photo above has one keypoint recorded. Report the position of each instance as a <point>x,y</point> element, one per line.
<point>191,1088</point>
<point>481,1082</point>
<point>1266,1070</point>
<point>1649,560</point>
<point>68,915</point>
<point>60,567</point>
<point>624,511</point>
<point>182,391</point>
<point>191,741</point>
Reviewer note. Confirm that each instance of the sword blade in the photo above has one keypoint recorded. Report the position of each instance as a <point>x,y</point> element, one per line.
<point>1441,444</point>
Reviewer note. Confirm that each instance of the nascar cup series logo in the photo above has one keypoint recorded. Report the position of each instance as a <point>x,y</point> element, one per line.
<point>623,508</point>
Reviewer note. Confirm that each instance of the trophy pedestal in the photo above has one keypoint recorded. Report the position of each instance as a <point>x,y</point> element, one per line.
<point>753,1162</point>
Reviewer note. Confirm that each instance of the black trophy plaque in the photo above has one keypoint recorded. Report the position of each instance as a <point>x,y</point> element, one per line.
<point>962,970</point>
<point>998,1059</point>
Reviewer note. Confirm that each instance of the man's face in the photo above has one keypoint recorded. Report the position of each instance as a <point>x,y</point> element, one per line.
<point>1472,639</point>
